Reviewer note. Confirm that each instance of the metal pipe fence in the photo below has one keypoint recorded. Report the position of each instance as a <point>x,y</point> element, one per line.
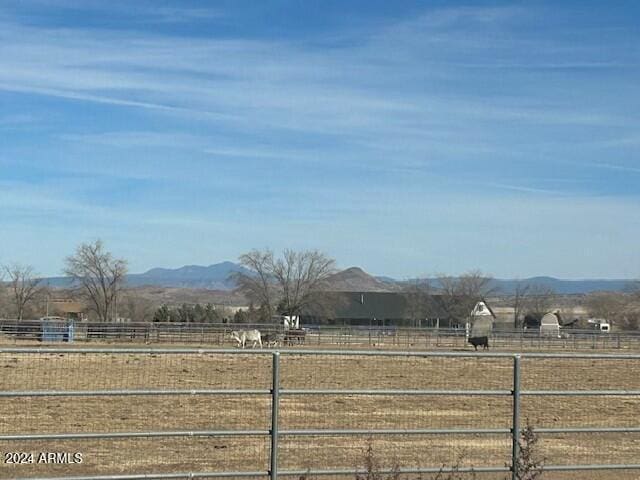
<point>321,336</point>
<point>136,413</point>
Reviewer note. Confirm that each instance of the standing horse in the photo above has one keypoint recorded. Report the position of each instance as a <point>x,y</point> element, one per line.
<point>244,336</point>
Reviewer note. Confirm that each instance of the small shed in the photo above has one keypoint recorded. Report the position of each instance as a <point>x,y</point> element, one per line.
<point>481,321</point>
<point>550,325</point>
<point>56,329</point>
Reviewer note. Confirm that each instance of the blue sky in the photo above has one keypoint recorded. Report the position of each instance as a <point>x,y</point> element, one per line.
<point>408,138</point>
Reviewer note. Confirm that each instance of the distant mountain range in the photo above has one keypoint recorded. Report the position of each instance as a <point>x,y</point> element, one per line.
<point>216,277</point>
<point>213,277</point>
<point>566,287</point>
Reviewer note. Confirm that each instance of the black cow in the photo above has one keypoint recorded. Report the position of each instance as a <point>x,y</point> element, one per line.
<point>479,342</point>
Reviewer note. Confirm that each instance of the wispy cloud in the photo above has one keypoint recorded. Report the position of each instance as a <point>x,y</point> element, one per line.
<point>621,168</point>
<point>520,188</point>
<point>148,12</point>
<point>412,124</point>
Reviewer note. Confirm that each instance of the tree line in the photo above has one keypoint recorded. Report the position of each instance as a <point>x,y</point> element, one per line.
<point>292,283</point>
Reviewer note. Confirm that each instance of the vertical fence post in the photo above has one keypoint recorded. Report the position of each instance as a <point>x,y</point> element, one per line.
<point>275,400</point>
<point>515,430</point>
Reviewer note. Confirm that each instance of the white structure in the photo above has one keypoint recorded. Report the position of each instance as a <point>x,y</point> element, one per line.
<point>550,325</point>
<point>287,321</point>
<point>291,322</point>
<point>481,321</point>
<point>599,324</point>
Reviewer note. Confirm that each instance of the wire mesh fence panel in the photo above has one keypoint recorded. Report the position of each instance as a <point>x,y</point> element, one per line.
<point>353,371</point>
<point>115,370</point>
<point>590,448</point>
<point>392,393</point>
<point>583,393</point>
<point>389,451</point>
<point>133,413</point>
<point>376,412</point>
<point>579,373</point>
<point>102,405</point>
<point>158,411</point>
<point>547,411</point>
<point>139,456</point>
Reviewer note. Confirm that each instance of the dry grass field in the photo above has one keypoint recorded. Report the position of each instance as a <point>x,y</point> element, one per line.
<point>102,371</point>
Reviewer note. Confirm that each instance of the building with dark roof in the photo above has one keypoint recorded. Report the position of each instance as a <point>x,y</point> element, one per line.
<point>380,309</point>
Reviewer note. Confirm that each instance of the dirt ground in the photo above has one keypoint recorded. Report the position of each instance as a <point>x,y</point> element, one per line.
<point>115,371</point>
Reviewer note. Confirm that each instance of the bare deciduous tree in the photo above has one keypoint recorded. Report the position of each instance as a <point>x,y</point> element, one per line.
<point>538,301</point>
<point>136,308</point>
<point>99,275</point>
<point>284,285</point>
<point>460,294</point>
<point>519,302</point>
<point>417,294</point>
<point>24,286</point>
<point>259,285</point>
<point>605,305</point>
<point>300,276</point>
<point>620,309</point>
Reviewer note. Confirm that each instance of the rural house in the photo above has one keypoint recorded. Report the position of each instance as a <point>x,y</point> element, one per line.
<point>379,309</point>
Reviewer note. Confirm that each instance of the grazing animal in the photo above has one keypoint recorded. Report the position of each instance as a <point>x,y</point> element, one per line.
<point>271,339</point>
<point>294,336</point>
<point>479,342</point>
<point>244,336</point>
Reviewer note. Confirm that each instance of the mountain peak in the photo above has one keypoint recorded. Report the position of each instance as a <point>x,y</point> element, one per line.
<point>354,279</point>
<point>353,271</point>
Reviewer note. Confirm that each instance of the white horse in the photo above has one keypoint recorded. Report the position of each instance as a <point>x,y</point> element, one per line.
<point>244,336</point>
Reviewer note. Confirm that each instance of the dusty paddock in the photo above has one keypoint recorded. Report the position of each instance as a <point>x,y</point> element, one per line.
<point>75,371</point>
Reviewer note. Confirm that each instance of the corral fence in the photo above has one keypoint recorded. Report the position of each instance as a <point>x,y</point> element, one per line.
<point>324,335</point>
<point>206,413</point>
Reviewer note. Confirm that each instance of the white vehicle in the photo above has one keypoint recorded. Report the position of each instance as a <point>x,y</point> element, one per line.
<point>599,324</point>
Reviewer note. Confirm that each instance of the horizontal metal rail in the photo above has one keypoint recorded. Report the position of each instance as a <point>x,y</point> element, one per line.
<point>310,432</point>
<point>111,435</point>
<point>136,351</point>
<point>396,431</point>
<point>558,468</point>
<point>386,471</point>
<point>335,472</point>
<point>492,393</point>
<point>115,393</point>
<point>588,430</point>
<point>613,466</point>
<point>238,392</point>
<point>331,352</point>
<point>579,393</point>
<point>158,476</point>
